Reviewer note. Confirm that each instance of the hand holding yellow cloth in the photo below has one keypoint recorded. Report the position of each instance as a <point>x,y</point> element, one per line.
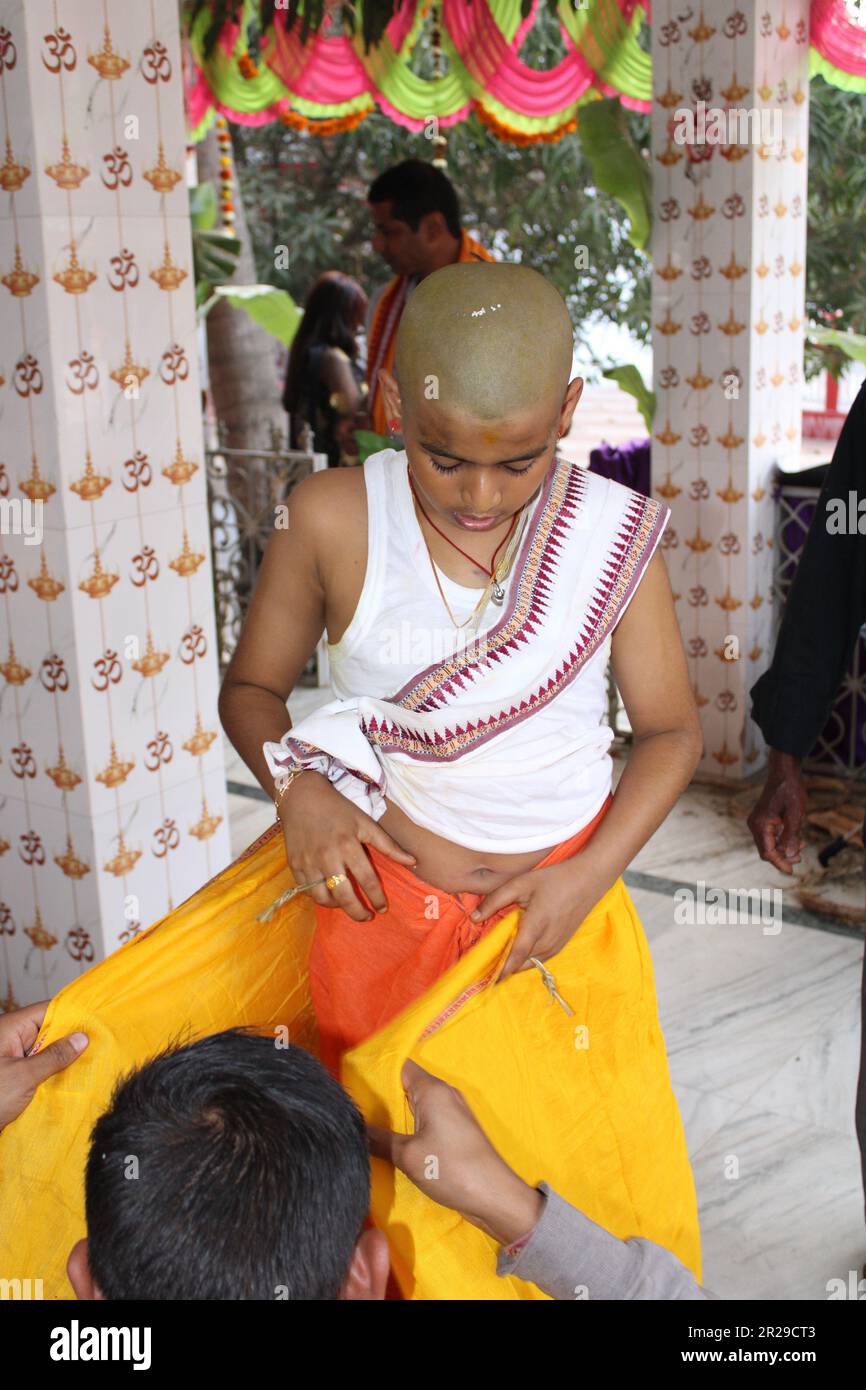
<point>207,966</point>
<point>583,1102</point>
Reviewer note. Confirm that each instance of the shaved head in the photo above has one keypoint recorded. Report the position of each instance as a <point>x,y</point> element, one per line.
<point>484,340</point>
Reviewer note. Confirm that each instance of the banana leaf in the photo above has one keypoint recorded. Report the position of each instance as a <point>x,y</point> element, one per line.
<point>852,344</point>
<point>214,253</point>
<point>629,379</point>
<point>618,167</point>
<point>271,307</point>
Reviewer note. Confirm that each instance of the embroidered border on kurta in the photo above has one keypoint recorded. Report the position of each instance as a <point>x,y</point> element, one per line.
<point>627,555</point>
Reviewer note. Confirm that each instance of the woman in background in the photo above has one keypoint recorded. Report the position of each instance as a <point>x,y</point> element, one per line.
<point>325,385</point>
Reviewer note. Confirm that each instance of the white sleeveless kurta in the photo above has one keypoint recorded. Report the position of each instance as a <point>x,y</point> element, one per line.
<point>498,742</point>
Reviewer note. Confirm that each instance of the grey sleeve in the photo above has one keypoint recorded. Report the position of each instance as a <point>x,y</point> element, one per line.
<point>569,1256</point>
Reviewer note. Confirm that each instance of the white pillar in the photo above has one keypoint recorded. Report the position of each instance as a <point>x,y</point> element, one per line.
<point>729,251</point>
<point>112,784</point>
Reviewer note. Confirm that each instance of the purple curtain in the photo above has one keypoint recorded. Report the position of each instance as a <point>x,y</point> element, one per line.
<point>624,463</point>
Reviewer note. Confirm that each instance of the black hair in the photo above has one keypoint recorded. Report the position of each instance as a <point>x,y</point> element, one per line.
<point>333,313</point>
<point>415,188</point>
<point>230,1168</point>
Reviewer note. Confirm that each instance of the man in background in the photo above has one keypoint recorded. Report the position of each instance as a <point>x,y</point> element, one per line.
<point>416,220</point>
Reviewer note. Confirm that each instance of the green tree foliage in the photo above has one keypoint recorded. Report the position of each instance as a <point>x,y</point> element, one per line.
<point>836,241</point>
<point>214,253</point>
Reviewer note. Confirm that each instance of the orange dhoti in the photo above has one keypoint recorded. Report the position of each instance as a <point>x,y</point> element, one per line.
<point>581,1100</point>
<point>362,974</point>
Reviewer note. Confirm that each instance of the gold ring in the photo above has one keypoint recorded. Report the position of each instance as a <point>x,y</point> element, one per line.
<point>334,880</point>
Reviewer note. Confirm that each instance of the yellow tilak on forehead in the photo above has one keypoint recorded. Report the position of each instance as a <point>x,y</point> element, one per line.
<point>486,340</point>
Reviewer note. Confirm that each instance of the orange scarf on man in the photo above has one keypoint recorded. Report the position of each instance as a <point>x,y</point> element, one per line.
<point>386,320</point>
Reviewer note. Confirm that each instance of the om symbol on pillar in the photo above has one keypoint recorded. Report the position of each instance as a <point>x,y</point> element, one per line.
<point>24,763</point>
<point>193,644</point>
<point>108,670</point>
<point>31,848</point>
<point>53,673</point>
<point>118,169</point>
<point>124,271</point>
<point>59,45</point>
<point>174,365</point>
<point>147,566</point>
<point>28,376</point>
<point>8,51</point>
<point>159,751</point>
<point>79,944</point>
<point>85,374</point>
<point>156,64</point>
<point>8,573</point>
<point>167,837</point>
<point>139,472</point>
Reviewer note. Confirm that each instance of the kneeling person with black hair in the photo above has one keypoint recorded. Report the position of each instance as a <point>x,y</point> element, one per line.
<point>251,1181</point>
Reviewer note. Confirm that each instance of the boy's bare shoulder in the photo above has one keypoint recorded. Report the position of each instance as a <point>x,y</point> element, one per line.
<point>328,516</point>
<point>330,505</point>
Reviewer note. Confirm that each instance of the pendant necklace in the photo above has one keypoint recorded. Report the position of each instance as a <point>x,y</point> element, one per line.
<point>493,588</point>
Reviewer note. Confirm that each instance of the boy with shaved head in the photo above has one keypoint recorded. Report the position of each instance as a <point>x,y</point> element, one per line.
<point>473,588</point>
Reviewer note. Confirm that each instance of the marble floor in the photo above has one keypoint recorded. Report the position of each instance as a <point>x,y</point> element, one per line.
<point>762,1029</point>
<point>763,1041</point>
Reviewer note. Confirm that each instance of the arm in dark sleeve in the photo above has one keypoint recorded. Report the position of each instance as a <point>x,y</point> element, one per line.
<point>825,609</point>
<point>570,1257</point>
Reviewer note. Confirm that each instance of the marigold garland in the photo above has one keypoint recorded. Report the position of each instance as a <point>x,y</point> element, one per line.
<point>519,137</point>
<point>224,141</point>
<point>337,125</point>
<point>332,125</point>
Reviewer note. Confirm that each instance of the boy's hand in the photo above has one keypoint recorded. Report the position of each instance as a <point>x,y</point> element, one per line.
<point>325,835</point>
<point>553,909</point>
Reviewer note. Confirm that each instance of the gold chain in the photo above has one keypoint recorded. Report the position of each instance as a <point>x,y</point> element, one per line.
<point>500,572</point>
<point>468,620</point>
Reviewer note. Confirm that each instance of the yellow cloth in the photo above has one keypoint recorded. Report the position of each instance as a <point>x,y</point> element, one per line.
<point>584,1102</point>
<point>207,966</point>
<point>600,1123</point>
